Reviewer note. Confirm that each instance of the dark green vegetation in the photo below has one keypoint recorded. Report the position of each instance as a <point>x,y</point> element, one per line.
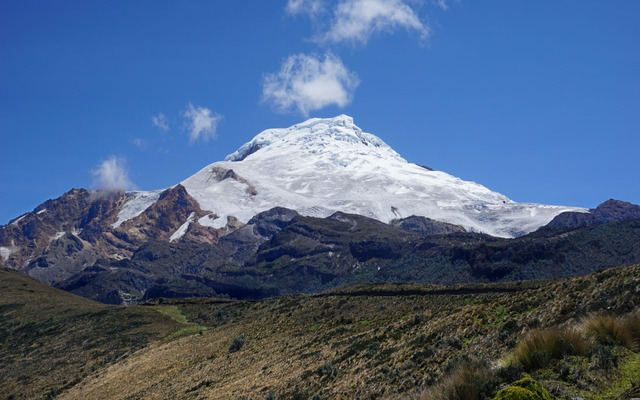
<point>311,255</point>
<point>366,341</point>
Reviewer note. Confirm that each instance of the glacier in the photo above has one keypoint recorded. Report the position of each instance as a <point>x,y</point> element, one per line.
<point>324,165</point>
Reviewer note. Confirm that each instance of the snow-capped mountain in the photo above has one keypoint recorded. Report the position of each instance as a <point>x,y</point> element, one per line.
<point>304,209</point>
<point>322,166</point>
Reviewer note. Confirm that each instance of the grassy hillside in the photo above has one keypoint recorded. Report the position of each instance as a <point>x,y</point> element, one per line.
<point>377,341</point>
<point>50,339</point>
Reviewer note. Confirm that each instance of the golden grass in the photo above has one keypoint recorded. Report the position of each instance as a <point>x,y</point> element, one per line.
<point>469,381</point>
<point>607,329</point>
<point>378,346</point>
<point>631,325</point>
<point>541,346</point>
<point>50,339</point>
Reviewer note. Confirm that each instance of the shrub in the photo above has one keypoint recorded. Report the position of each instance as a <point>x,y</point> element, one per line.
<point>418,319</point>
<point>604,329</point>
<point>540,347</point>
<point>608,330</point>
<point>515,393</point>
<point>604,358</point>
<point>469,380</point>
<point>236,344</point>
<point>327,369</point>
<point>454,342</point>
<point>510,372</point>
<point>524,389</point>
<point>630,324</point>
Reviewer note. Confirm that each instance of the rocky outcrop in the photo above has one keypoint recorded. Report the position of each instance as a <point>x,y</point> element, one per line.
<point>241,245</point>
<point>609,211</point>
<point>426,226</point>
<point>77,216</point>
<point>61,237</point>
<point>162,219</point>
<point>164,268</point>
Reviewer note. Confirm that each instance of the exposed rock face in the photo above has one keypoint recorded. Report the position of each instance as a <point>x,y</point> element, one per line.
<point>62,257</point>
<point>280,252</point>
<point>426,226</point>
<point>61,237</point>
<point>220,173</point>
<point>241,245</point>
<point>163,218</point>
<point>609,211</point>
<point>60,228</point>
<point>161,268</point>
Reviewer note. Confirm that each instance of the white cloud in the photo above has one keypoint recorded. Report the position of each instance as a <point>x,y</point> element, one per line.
<point>201,122</point>
<point>160,122</point>
<point>355,21</point>
<point>112,174</point>
<point>309,7</point>
<point>442,4</point>
<point>308,83</point>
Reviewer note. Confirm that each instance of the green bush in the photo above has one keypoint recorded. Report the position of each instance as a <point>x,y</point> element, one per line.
<point>524,389</point>
<point>515,393</point>
<point>603,357</point>
<point>328,370</point>
<point>236,344</point>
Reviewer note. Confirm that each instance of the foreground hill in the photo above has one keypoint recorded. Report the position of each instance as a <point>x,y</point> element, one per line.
<point>363,341</point>
<point>50,339</point>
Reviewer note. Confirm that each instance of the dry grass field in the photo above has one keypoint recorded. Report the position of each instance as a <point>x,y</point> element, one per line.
<point>363,341</point>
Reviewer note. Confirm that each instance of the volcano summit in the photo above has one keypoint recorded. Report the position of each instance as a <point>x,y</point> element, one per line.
<point>322,166</point>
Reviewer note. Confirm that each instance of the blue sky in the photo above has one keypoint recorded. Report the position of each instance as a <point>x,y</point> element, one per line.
<point>536,100</point>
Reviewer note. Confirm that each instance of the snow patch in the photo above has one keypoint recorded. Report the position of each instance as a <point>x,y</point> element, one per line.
<point>57,236</point>
<point>209,220</point>
<point>135,205</point>
<point>19,219</point>
<point>42,211</point>
<point>183,228</point>
<point>8,251</point>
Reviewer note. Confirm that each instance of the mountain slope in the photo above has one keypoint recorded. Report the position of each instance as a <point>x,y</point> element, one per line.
<point>50,339</point>
<point>180,269</point>
<point>363,342</point>
<point>315,168</point>
<point>280,252</point>
<point>322,166</point>
<point>64,236</point>
<point>610,210</point>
